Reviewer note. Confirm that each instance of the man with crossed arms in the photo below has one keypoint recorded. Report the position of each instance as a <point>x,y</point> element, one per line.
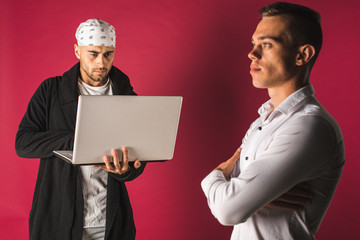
<point>279,183</point>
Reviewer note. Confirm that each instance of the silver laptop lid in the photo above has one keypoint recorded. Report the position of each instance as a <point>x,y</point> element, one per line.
<point>146,125</point>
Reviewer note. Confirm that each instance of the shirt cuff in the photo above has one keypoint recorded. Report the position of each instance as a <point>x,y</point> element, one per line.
<point>210,179</point>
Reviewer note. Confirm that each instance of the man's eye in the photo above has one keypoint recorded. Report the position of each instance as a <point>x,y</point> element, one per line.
<point>266,45</point>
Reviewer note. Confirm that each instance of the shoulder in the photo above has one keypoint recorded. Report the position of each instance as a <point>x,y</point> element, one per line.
<point>48,86</point>
<point>315,117</point>
<point>313,129</point>
<point>121,82</point>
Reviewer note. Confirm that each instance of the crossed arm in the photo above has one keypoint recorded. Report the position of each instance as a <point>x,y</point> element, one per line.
<point>276,178</point>
<point>293,200</point>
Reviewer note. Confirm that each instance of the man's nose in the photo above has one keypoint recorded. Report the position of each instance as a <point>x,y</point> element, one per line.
<point>254,54</point>
<point>100,60</point>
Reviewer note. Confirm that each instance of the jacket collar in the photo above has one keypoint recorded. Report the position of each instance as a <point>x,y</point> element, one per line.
<point>68,87</point>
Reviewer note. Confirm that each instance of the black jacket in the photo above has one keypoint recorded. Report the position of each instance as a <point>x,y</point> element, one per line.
<point>49,124</point>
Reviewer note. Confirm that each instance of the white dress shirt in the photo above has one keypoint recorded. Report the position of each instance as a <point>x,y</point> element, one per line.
<point>93,179</point>
<point>296,142</point>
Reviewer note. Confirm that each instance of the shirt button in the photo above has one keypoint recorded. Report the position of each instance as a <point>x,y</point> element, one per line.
<point>246,158</point>
<point>259,128</point>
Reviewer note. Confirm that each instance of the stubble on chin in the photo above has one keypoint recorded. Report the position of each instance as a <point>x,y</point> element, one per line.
<point>95,78</point>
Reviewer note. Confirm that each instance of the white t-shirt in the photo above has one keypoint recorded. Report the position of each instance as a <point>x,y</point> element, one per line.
<point>94,180</point>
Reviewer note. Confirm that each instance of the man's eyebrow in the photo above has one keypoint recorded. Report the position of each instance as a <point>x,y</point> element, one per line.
<point>107,52</point>
<point>276,39</point>
<point>93,51</point>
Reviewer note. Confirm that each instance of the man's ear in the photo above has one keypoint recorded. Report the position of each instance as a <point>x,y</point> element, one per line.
<point>305,54</point>
<point>77,50</point>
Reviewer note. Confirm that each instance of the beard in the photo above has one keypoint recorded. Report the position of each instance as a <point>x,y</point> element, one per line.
<point>97,78</point>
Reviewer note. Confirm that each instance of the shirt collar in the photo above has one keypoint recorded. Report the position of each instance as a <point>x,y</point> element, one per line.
<point>289,105</point>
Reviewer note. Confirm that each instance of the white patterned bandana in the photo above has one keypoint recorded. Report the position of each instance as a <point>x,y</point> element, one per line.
<point>95,32</point>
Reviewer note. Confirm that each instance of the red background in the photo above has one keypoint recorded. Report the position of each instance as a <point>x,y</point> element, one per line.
<point>193,48</point>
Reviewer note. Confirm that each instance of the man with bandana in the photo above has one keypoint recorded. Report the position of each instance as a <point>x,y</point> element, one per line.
<point>77,202</point>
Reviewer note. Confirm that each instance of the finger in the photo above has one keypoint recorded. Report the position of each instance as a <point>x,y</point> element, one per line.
<point>137,164</point>
<point>107,162</point>
<point>125,162</point>
<point>235,157</point>
<point>116,161</point>
<point>236,154</point>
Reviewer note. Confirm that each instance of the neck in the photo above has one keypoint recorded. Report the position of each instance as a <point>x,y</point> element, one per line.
<point>280,93</point>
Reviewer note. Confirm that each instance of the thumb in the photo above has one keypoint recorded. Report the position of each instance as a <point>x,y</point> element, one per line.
<point>137,164</point>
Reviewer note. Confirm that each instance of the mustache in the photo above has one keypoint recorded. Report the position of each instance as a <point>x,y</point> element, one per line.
<point>100,69</point>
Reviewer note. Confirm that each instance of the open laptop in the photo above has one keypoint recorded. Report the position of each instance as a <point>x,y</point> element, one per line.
<point>146,125</point>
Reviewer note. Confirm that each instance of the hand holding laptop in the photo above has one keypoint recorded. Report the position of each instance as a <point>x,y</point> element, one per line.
<point>116,166</point>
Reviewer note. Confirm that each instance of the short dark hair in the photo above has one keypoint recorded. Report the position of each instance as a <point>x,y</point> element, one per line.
<point>305,24</point>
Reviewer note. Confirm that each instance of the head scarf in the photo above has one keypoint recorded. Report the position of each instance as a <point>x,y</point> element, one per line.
<point>95,32</point>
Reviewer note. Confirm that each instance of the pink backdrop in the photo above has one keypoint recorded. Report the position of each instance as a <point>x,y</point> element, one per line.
<point>193,48</point>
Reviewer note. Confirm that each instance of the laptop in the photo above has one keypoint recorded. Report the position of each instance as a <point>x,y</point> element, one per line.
<point>146,125</point>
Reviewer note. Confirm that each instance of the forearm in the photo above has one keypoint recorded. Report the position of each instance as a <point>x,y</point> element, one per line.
<point>36,144</point>
<point>234,201</point>
<point>220,195</point>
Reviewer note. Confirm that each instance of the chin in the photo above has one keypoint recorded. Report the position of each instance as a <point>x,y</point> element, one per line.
<point>97,79</point>
<point>257,84</point>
